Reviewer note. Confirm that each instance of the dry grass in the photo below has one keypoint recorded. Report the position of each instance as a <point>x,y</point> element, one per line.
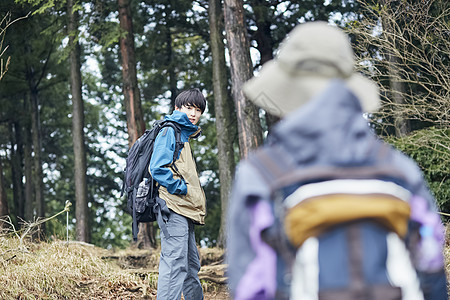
<point>60,271</point>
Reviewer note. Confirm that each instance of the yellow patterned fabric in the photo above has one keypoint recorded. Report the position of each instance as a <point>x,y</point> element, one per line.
<point>313,216</point>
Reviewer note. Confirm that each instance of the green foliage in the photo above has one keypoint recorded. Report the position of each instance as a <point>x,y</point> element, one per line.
<point>36,43</point>
<point>430,149</point>
<point>44,6</point>
<point>103,25</point>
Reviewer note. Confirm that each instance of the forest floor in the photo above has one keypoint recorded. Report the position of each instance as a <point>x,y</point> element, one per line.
<point>144,264</point>
<point>61,270</point>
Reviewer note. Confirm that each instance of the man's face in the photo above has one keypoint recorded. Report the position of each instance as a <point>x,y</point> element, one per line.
<point>192,112</point>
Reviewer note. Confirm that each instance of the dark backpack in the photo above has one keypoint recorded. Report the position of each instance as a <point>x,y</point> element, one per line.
<point>141,189</point>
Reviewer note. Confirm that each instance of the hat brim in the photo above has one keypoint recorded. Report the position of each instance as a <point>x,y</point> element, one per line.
<point>280,93</point>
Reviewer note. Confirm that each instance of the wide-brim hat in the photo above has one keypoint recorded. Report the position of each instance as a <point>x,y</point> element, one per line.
<point>309,57</point>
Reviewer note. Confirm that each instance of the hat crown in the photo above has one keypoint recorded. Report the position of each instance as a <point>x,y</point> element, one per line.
<point>317,48</point>
<point>310,57</point>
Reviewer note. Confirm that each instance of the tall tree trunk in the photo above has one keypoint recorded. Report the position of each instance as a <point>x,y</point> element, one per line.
<point>36,137</point>
<point>81,201</point>
<point>38,185</point>
<point>28,162</point>
<point>390,29</point>
<point>401,124</point>
<point>249,125</point>
<point>170,60</point>
<point>16,169</point>
<point>3,200</point>
<point>264,41</point>
<point>135,120</point>
<point>223,107</point>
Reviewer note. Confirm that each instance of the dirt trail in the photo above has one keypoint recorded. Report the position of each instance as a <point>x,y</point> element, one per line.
<point>144,264</point>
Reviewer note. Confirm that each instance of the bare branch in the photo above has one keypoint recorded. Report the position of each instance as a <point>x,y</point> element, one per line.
<point>27,227</point>
<point>417,35</point>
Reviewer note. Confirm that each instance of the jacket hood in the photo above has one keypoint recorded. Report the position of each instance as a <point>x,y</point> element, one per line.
<point>328,129</point>
<point>181,118</point>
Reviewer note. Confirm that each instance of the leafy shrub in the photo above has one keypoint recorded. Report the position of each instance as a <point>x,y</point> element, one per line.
<point>430,148</point>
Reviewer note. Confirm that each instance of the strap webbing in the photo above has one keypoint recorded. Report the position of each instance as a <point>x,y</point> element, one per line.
<point>272,164</point>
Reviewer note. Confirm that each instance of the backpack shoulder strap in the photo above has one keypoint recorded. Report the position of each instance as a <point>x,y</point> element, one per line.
<point>177,129</point>
<point>279,169</point>
<point>272,163</point>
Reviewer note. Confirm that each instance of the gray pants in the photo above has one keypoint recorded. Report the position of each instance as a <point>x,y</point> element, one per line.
<point>180,262</point>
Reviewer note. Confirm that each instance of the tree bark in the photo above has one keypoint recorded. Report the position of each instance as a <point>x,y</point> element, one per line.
<point>28,162</point>
<point>249,125</point>
<point>170,61</point>
<point>264,42</point>
<point>36,137</point>
<point>401,125</point>
<point>223,107</point>
<point>171,71</point>
<point>4,210</point>
<point>133,107</point>
<point>135,120</point>
<point>16,169</point>
<point>37,149</point>
<point>263,38</point>
<point>79,150</point>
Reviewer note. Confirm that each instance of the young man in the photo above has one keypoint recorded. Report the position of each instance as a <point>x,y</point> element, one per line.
<point>180,191</point>
<point>326,210</point>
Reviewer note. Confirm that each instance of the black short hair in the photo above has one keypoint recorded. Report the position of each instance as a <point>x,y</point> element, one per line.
<point>191,97</point>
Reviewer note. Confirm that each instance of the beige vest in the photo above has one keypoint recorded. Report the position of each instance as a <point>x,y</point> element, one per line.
<point>193,204</point>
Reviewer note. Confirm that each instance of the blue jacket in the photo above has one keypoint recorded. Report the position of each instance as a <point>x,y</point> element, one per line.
<point>163,153</point>
<point>179,182</point>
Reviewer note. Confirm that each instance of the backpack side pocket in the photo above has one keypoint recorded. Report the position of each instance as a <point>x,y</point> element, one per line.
<point>142,203</point>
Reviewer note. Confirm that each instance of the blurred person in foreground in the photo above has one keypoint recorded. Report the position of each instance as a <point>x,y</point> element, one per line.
<point>325,209</point>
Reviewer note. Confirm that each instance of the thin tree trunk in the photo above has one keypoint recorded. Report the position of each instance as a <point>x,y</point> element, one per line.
<point>16,169</point>
<point>264,42</point>
<point>249,125</point>
<point>401,125</point>
<point>28,163</point>
<point>36,137</point>
<point>223,107</point>
<point>19,152</point>
<point>37,149</point>
<point>171,71</point>
<point>170,61</point>
<point>135,120</point>
<point>79,150</point>
<point>4,210</point>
